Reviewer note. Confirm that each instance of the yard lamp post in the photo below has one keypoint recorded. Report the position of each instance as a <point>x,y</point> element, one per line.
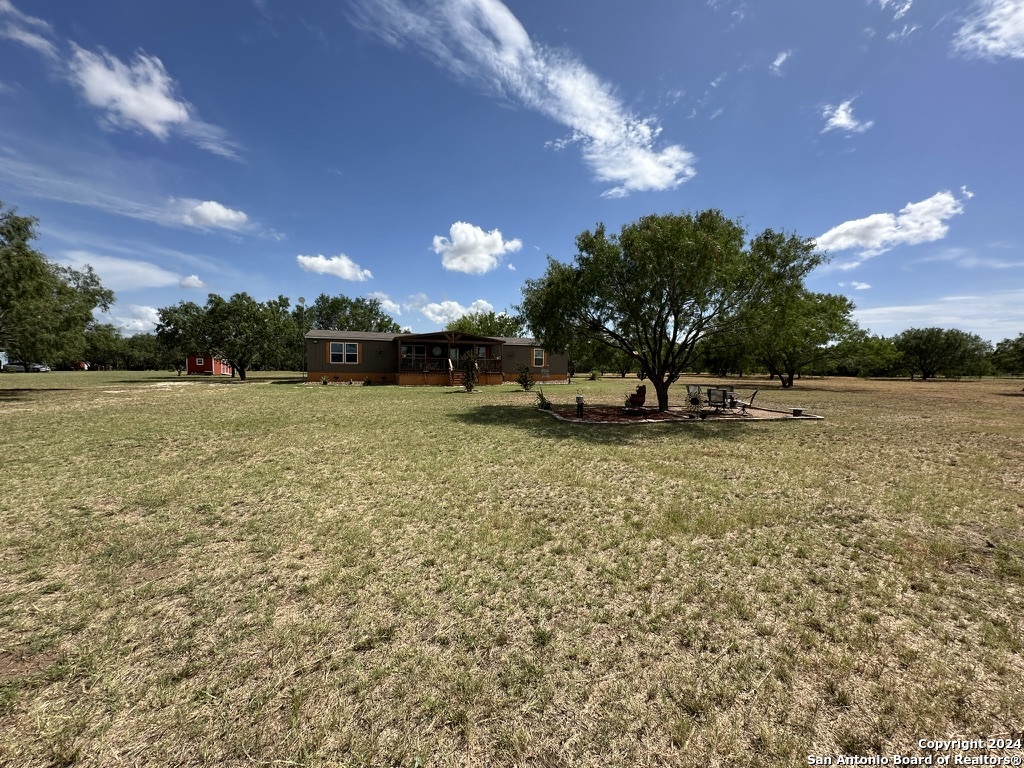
<point>579,403</point>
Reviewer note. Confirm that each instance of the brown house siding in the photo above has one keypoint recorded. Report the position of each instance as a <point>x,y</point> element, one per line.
<point>377,358</point>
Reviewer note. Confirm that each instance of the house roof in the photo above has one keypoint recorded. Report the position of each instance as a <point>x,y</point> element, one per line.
<point>373,336</point>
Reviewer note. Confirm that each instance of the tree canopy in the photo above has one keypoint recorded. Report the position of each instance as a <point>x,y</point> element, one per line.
<point>488,324</point>
<point>45,308</point>
<point>662,285</point>
<point>949,351</point>
<point>340,313</point>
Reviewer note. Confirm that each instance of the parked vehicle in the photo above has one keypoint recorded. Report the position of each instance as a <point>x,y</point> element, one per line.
<point>14,368</point>
<point>38,368</point>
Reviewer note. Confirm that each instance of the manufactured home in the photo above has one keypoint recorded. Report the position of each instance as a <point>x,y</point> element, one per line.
<point>426,358</point>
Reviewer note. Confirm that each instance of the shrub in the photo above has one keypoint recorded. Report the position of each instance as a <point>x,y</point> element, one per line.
<point>525,377</point>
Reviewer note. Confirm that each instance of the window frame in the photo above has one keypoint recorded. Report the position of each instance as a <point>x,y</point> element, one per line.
<point>345,353</point>
<point>543,357</point>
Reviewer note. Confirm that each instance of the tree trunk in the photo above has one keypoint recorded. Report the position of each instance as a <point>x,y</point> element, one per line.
<point>241,372</point>
<point>661,387</point>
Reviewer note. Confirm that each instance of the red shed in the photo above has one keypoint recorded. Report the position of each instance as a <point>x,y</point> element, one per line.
<point>208,366</point>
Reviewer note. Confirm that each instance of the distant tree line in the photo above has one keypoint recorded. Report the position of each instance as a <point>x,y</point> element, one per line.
<point>669,294</point>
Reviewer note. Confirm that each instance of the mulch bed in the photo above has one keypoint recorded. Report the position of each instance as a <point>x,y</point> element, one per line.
<point>617,414</point>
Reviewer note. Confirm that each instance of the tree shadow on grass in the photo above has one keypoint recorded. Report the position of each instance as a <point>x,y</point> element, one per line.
<point>26,393</point>
<point>540,424</point>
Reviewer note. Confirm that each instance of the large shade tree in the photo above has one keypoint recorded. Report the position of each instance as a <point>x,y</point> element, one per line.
<point>799,332</point>
<point>45,308</point>
<point>949,351</point>
<point>662,285</point>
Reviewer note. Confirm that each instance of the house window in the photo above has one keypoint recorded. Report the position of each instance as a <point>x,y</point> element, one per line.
<point>538,357</point>
<point>199,361</point>
<point>344,352</point>
<point>414,356</point>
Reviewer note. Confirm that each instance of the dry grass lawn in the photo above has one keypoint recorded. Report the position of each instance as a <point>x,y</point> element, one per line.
<point>204,573</point>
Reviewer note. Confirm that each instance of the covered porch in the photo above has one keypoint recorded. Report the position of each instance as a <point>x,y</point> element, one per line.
<point>434,358</point>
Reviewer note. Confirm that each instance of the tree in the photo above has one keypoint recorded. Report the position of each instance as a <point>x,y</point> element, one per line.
<point>951,352</point>
<point>488,324</point>
<point>864,355</point>
<point>800,331</point>
<point>236,327</point>
<point>1008,356</point>
<point>45,308</point>
<point>663,285</point>
<point>340,313</point>
<point>183,331</point>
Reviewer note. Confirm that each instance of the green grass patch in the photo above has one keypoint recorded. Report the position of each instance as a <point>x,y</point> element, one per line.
<point>202,572</point>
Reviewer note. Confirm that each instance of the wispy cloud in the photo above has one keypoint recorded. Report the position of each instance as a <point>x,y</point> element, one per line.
<point>856,285</point>
<point>993,316</point>
<point>339,266</point>
<point>27,30</point>
<point>471,250</point>
<point>995,29</point>
<point>122,274</point>
<point>840,118</point>
<point>904,33</point>
<point>782,58</point>
<point>899,7</point>
<point>141,96</point>
<point>921,222</point>
<point>481,41</point>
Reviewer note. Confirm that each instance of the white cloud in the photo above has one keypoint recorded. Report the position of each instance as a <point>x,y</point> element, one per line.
<point>445,311</point>
<point>31,39</point>
<point>141,96</point>
<point>18,28</point>
<point>212,214</point>
<point>903,34</point>
<point>859,286</point>
<point>781,59</point>
<point>339,266</point>
<point>136,318</point>
<point>389,306</point>
<point>899,7</point>
<point>482,41</point>
<point>992,316</point>
<point>192,281</point>
<point>122,274</point>
<point>471,250</point>
<point>841,118</point>
<point>922,222</point>
<point>995,29</point>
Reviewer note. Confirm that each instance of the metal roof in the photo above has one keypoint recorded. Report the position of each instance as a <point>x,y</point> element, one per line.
<point>374,336</point>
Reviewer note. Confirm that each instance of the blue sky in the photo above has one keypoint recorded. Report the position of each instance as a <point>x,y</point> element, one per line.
<point>432,154</point>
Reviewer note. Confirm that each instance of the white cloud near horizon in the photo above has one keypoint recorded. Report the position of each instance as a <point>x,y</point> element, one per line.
<point>444,312</point>
<point>993,316</point>
<point>840,118</point>
<point>122,274</point>
<point>483,42</point>
<point>471,250</point>
<point>137,318</point>
<point>386,303</point>
<point>141,96</point>
<point>922,222</point>
<point>995,29</point>
<point>339,266</point>
<point>212,214</point>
